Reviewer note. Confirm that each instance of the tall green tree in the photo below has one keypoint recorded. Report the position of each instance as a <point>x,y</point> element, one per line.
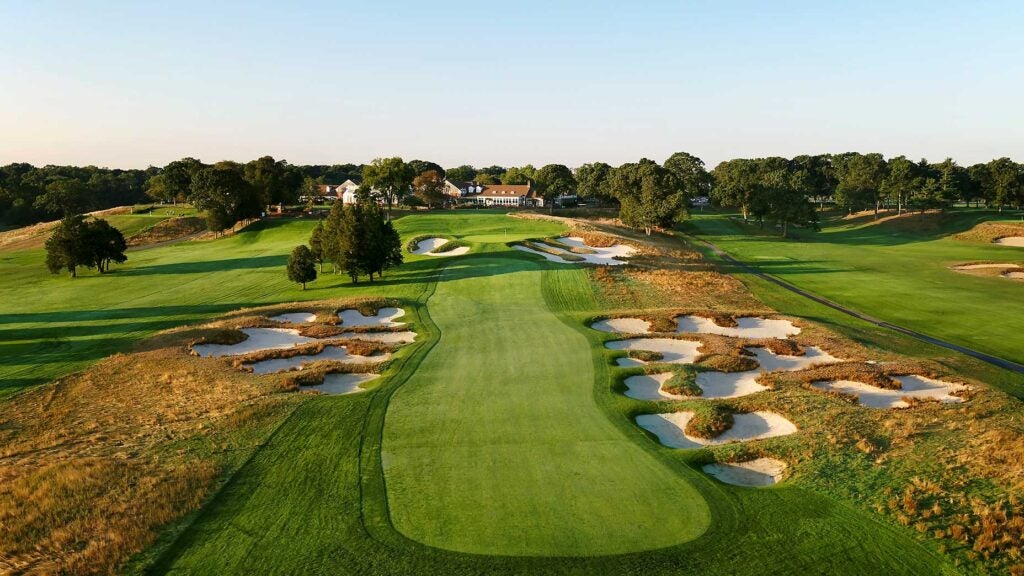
<point>554,181</point>
<point>594,181</point>
<point>860,179</point>
<point>461,174</point>
<point>316,244</point>
<point>650,196</point>
<point>103,244</point>
<point>173,183</point>
<point>391,177</point>
<point>353,240</point>
<point>690,172</point>
<point>301,267</point>
<point>1007,182</point>
<point>274,181</point>
<point>734,184</point>
<point>519,175</point>
<point>223,195</point>
<point>66,248</point>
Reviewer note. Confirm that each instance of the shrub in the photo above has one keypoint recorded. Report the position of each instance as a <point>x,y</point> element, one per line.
<point>710,421</point>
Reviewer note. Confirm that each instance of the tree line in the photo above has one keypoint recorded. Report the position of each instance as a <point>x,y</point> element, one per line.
<point>855,181</point>
<point>650,194</point>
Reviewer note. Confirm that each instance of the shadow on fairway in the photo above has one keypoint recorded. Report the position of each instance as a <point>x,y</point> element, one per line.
<point>204,266</point>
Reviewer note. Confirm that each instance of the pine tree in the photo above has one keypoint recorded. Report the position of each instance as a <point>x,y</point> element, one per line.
<point>330,246</point>
<point>301,267</point>
<point>316,244</point>
<point>352,241</point>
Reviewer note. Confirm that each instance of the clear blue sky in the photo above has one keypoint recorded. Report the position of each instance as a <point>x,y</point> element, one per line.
<point>133,83</point>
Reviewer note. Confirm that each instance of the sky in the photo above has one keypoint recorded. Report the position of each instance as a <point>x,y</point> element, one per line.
<point>130,84</point>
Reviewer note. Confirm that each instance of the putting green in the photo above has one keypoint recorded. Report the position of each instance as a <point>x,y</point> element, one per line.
<point>496,445</point>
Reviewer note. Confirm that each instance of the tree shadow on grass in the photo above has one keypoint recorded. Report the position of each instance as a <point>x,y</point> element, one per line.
<point>206,266</point>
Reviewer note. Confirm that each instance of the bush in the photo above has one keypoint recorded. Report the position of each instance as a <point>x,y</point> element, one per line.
<point>710,421</point>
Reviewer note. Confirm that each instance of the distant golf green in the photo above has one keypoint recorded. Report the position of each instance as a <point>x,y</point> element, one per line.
<point>895,274</point>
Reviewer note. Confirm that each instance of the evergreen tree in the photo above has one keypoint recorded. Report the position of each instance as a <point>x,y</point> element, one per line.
<point>330,247</point>
<point>301,267</point>
<point>352,241</point>
<point>316,244</point>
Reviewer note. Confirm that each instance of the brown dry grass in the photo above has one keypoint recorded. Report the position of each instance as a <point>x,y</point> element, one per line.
<point>94,465</point>
<point>710,421</point>
<point>991,231</point>
<point>86,479</point>
<point>168,230</point>
<point>972,453</point>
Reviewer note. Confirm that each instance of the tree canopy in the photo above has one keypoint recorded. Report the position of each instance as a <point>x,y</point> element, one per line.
<point>77,241</point>
<point>301,266</point>
<point>650,195</point>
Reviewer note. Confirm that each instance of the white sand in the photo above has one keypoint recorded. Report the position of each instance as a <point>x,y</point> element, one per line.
<point>603,256</point>
<point>670,428</point>
<point>983,266</point>
<point>342,383</point>
<point>735,384</point>
<point>607,255</point>
<point>295,317</point>
<point>648,387</point>
<point>258,339</point>
<point>674,351</point>
<point>428,245</point>
<point>752,474</point>
<point>912,386</point>
<point>406,337</point>
<point>1014,275</point>
<point>384,317</point>
<point>747,327</point>
<point>1017,241</point>
<point>336,353</point>
<point>623,325</point>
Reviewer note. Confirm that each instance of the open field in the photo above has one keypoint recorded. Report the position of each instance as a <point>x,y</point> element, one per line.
<point>501,440</point>
<point>894,273</point>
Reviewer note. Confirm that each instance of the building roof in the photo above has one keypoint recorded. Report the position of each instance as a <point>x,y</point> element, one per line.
<point>506,190</point>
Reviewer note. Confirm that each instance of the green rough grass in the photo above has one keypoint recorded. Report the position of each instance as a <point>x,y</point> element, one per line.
<point>895,274</point>
<point>478,445</point>
<point>52,325</point>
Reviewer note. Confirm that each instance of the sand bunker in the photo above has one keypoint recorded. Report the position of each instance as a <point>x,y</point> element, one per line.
<point>334,353</point>
<point>1014,275</point>
<point>648,387</point>
<point>623,325</point>
<point>1017,241</point>
<point>673,351</point>
<point>911,387</point>
<point>406,337</point>
<point>752,474</point>
<point>342,383</point>
<point>984,266</point>
<point>670,428</point>
<point>746,327</point>
<point>258,339</point>
<point>429,245</point>
<point>295,317</point>
<point>603,256</point>
<point>384,317</point>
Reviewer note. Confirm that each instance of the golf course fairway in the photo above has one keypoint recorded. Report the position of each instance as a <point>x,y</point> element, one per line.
<point>496,445</point>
